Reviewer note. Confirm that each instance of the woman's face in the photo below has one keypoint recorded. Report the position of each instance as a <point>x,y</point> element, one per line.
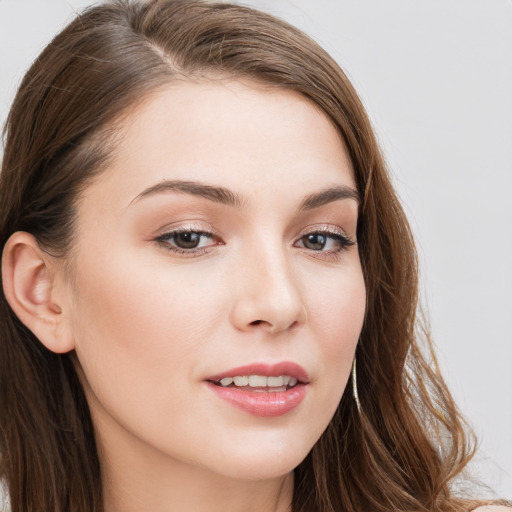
<point>219,243</point>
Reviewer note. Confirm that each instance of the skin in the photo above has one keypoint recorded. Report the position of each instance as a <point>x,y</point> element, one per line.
<point>149,325</point>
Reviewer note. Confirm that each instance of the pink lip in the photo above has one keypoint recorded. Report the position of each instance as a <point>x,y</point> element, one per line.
<point>264,404</point>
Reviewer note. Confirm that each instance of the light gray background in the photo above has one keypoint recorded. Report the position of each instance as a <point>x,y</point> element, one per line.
<point>436,77</point>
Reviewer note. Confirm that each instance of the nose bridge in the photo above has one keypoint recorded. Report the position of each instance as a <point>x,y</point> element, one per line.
<point>269,295</point>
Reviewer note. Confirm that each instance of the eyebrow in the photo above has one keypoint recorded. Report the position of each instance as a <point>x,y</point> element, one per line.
<point>225,196</point>
<point>329,195</point>
<point>213,193</point>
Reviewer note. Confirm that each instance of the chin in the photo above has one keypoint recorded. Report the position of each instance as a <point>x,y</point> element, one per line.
<point>260,462</point>
<point>252,471</point>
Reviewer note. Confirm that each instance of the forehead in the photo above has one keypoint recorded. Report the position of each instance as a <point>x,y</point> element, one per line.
<point>243,136</point>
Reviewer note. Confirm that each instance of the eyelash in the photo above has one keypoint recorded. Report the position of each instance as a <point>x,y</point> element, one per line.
<point>342,239</point>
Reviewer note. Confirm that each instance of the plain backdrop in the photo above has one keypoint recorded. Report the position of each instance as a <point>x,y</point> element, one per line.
<point>436,78</point>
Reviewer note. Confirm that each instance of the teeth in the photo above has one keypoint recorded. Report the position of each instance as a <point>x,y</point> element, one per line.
<point>275,381</point>
<point>257,381</point>
<point>260,381</point>
<point>241,381</point>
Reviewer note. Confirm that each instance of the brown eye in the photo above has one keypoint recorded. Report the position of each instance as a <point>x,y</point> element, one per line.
<point>187,239</point>
<point>324,242</point>
<point>314,241</point>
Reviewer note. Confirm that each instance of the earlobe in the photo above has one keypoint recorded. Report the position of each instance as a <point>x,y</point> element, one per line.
<point>29,278</point>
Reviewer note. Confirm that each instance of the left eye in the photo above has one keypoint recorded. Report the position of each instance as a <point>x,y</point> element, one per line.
<point>324,242</point>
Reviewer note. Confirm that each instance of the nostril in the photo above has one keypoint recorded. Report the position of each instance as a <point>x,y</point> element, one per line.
<point>256,322</point>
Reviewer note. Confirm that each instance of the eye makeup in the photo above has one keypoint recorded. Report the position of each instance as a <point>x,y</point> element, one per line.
<point>322,241</point>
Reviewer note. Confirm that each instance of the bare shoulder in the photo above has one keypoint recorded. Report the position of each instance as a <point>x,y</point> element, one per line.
<point>493,508</point>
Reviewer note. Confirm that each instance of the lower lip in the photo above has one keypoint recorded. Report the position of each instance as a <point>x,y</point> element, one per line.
<point>266,403</point>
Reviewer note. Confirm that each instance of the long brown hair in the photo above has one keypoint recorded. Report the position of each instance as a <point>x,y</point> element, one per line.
<point>405,444</point>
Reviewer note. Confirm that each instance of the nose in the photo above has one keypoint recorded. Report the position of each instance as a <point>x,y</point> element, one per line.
<point>268,296</point>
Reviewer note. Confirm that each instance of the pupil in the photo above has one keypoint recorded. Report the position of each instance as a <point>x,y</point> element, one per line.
<point>187,240</point>
<point>315,241</point>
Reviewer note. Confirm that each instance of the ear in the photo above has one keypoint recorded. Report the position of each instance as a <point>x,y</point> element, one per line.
<point>30,278</point>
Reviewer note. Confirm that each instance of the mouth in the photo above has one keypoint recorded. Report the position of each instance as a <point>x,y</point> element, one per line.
<point>258,383</point>
<point>261,389</point>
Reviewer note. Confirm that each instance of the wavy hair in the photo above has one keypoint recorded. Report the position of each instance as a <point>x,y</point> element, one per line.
<point>406,444</point>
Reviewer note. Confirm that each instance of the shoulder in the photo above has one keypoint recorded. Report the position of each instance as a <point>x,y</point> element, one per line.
<point>493,508</point>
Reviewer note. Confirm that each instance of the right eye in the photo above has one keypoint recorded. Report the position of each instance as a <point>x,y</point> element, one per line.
<point>187,241</point>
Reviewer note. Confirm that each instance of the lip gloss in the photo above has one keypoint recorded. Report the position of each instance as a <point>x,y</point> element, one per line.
<point>262,403</point>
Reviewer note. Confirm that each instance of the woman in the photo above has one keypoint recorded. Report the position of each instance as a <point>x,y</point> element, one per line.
<point>201,249</point>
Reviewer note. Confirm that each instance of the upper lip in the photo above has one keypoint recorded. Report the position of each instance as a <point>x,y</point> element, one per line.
<point>270,370</point>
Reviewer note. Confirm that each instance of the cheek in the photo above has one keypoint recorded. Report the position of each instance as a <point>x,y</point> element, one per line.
<point>138,305</point>
<point>338,309</point>
<point>337,317</point>
<point>141,330</point>
<point>137,328</point>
